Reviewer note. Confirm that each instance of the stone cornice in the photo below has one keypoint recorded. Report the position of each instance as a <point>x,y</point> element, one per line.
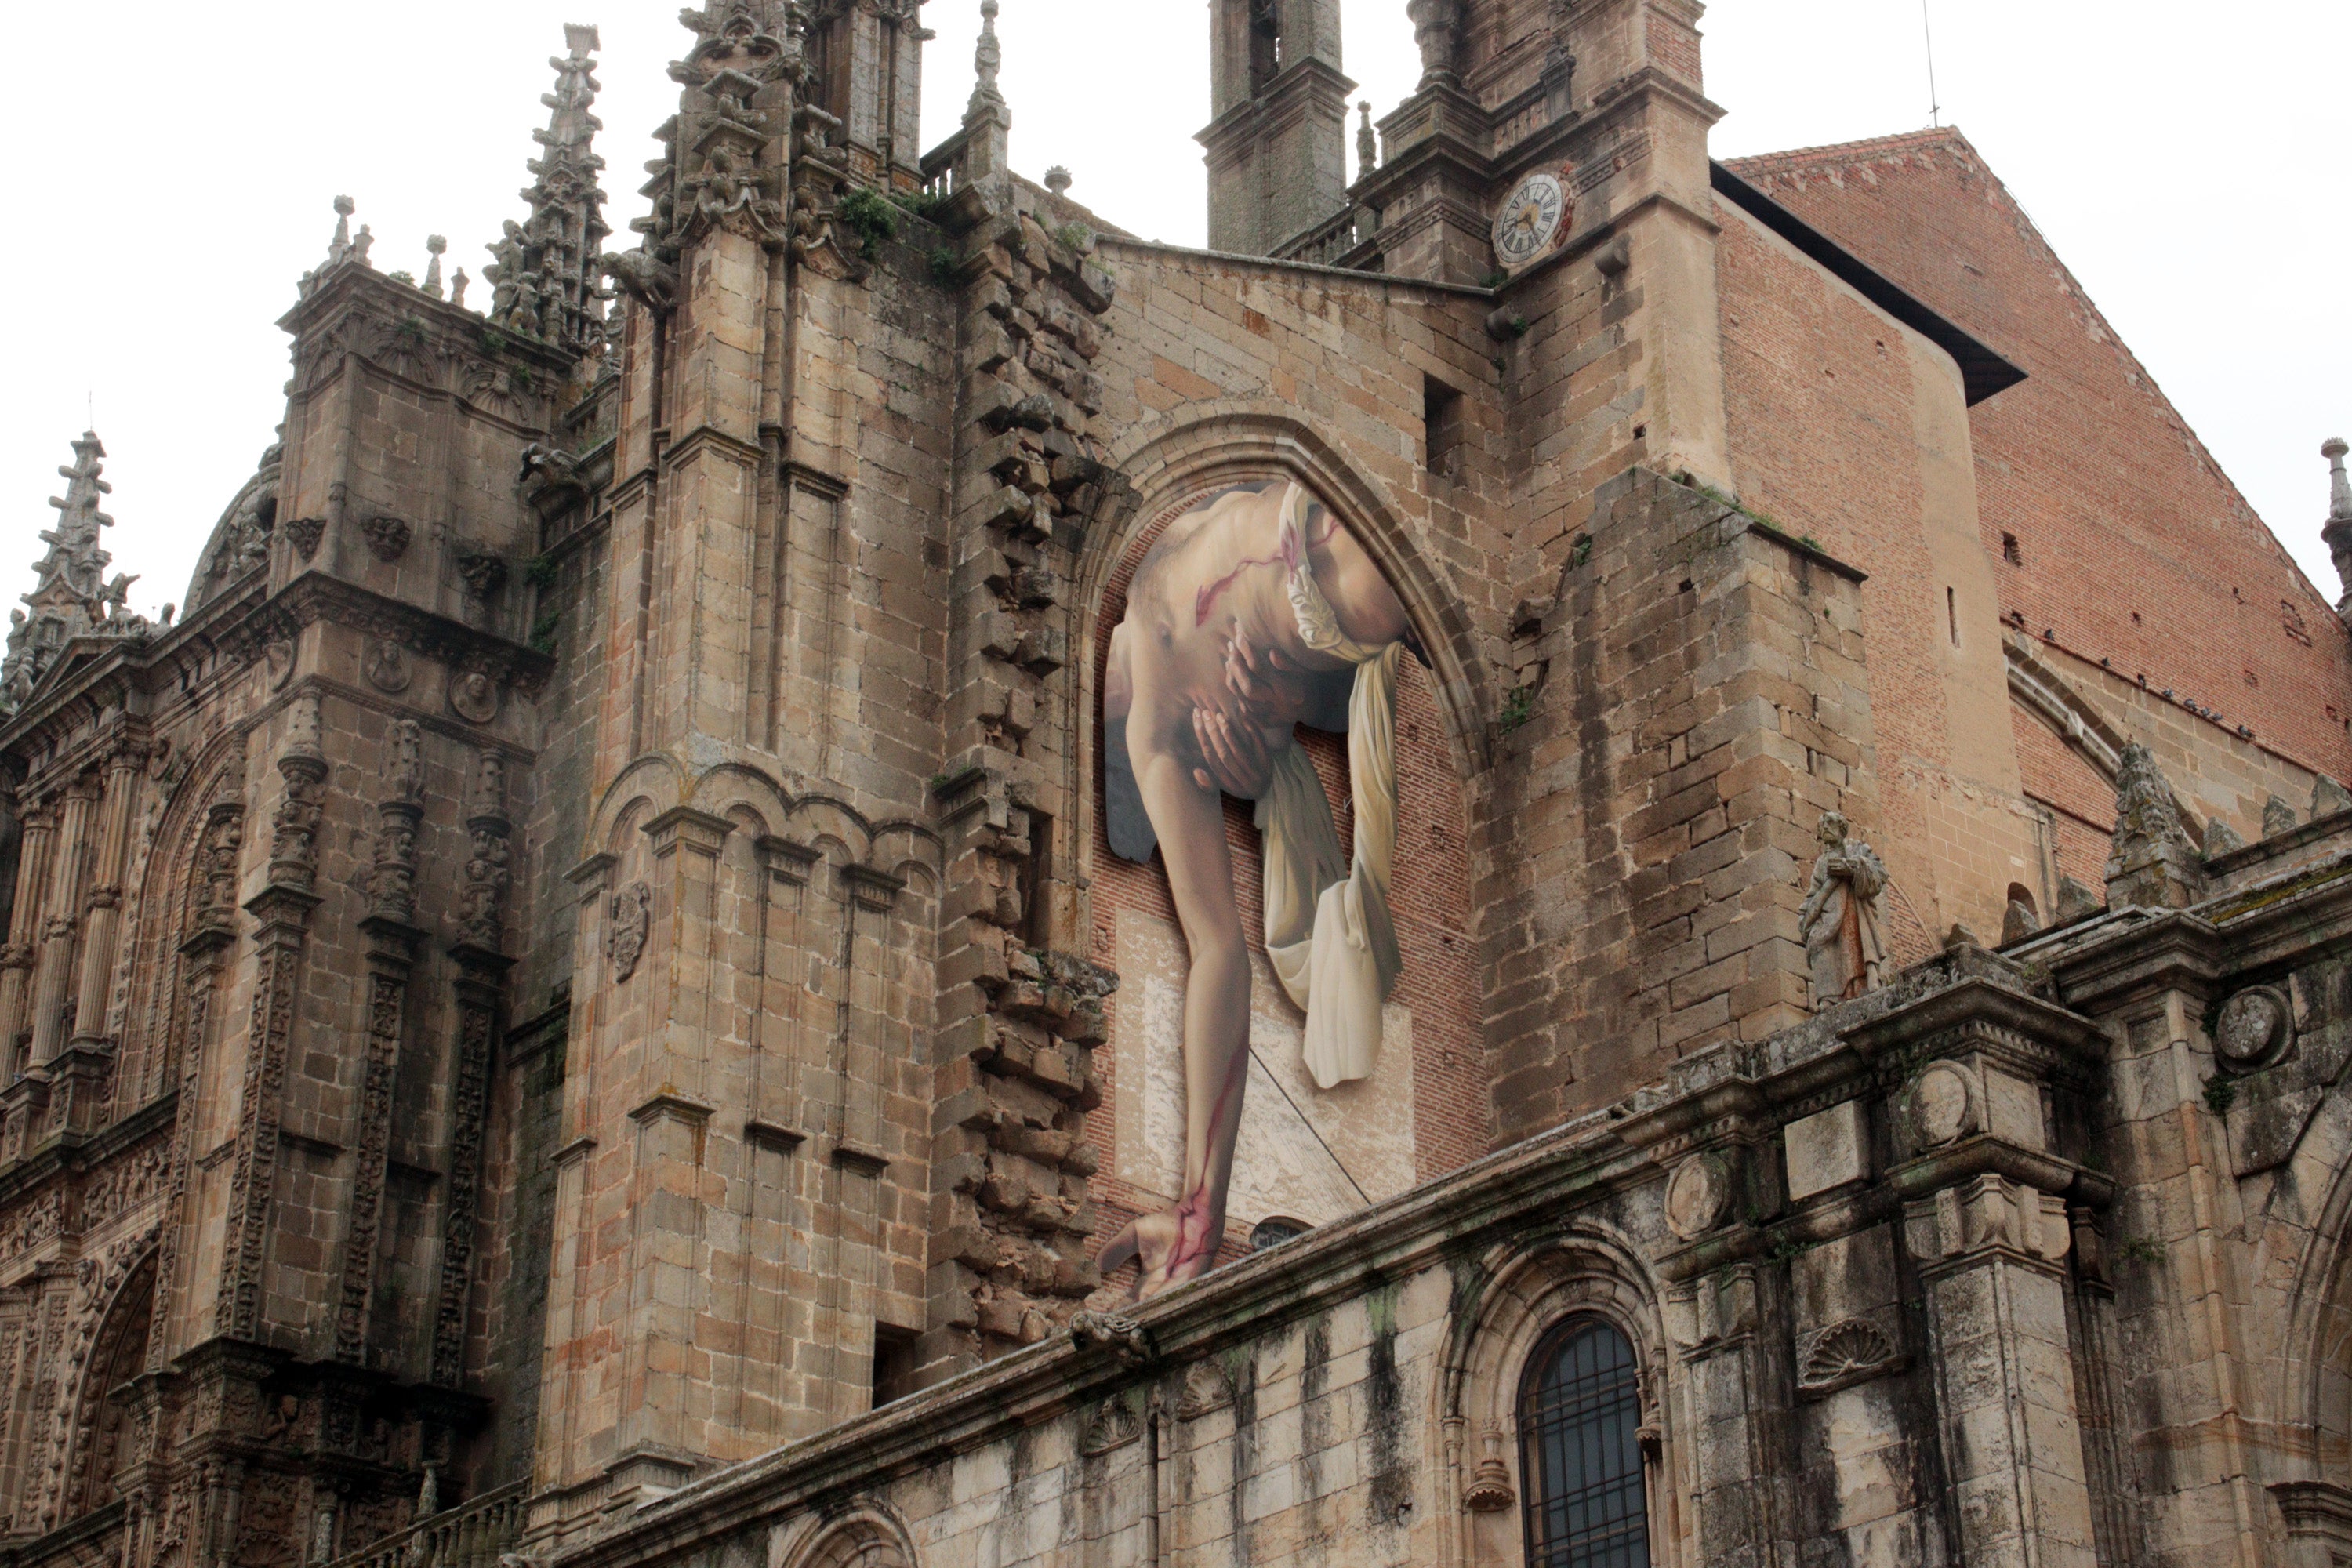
<point>315,596</point>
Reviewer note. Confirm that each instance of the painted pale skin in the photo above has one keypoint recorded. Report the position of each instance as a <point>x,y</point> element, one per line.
<point>1210,675</point>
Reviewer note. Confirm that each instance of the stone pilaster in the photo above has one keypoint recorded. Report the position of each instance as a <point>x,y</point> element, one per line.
<point>78,1088</point>
<point>16,957</point>
<point>1985,1221</point>
<point>53,980</point>
<point>203,952</point>
<point>481,987</point>
<point>393,938</point>
<point>281,911</point>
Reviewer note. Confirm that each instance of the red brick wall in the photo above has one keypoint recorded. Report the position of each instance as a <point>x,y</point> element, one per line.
<point>2136,545</point>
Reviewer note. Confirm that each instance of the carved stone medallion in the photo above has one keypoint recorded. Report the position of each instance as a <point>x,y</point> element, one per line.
<point>1698,1194</point>
<point>2255,1027</point>
<point>1943,1104</point>
<point>387,666</point>
<point>278,655</point>
<point>633,908</point>
<point>305,532</point>
<point>475,697</point>
<point>387,536</point>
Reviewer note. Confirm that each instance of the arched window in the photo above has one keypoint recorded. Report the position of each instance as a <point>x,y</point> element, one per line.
<point>1581,1452</point>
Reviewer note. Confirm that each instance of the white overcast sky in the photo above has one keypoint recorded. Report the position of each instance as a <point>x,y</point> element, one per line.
<point>173,180</point>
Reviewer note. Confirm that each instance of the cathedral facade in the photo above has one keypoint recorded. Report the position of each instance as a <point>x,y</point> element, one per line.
<point>1574,856</point>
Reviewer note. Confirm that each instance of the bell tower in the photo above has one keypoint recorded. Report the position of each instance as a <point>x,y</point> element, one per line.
<point>1277,148</point>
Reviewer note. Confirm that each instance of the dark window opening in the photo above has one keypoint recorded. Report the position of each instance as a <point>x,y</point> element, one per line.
<point>1266,43</point>
<point>1581,1451</point>
<point>1274,1230</point>
<point>1441,417</point>
<point>894,1364</point>
<point>1952,613</point>
<point>2010,552</point>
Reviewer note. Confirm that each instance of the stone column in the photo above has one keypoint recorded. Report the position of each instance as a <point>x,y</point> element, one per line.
<point>40,831</point>
<point>53,980</point>
<point>89,1052</point>
<point>1713,1317</point>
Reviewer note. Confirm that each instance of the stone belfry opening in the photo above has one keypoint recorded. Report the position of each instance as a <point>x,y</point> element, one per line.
<point>865,69</point>
<point>1277,146</point>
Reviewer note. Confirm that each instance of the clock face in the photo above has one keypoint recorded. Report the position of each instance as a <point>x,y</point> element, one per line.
<point>1532,219</point>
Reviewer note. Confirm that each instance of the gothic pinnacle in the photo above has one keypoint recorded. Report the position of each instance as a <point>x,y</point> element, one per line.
<point>71,596</point>
<point>546,267</point>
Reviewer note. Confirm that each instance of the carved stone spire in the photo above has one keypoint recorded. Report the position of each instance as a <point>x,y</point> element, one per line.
<point>2152,864</point>
<point>2337,532</point>
<point>1368,141</point>
<point>547,268</point>
<point>71,596</point>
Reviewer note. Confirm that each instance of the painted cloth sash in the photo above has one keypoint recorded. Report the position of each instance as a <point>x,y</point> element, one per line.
<point>1327,926</point>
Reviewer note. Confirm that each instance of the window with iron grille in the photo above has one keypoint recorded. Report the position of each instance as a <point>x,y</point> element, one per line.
<point>1580,1453</point>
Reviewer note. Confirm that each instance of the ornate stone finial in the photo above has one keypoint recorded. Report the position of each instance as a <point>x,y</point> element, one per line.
<point>457,288</point>
<point>435,248</point>
<point>2328,798</point>
<point>1435,24</point>
<point>1559,66</point>
<point>1057,180</point>
<point>2076,900</point>
<point>2152,864</point>
<point>1368,141</point>
<point>361,244</point>
<point>1839,923</point>
<point>2018,921</point>
<point>987,59</point>
<point>294,827</point>
<point>2337,531</point>
<point>481,905</point>
<point>341,246</point>
<point>404,766</point>
<point>2278,817</point>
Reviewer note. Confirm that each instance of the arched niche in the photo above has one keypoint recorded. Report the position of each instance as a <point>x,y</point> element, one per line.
<point>1528,1298</point>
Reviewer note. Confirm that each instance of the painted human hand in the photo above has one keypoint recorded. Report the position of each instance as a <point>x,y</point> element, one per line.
<point>1234,755</point>
<point>1252,674</point>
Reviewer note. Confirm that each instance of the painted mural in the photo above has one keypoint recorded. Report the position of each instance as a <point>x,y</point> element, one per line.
<point>1254,619</point>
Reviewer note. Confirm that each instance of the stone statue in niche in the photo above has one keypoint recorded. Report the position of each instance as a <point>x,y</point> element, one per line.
<point>1844,936</point>
<point>1255,613</point>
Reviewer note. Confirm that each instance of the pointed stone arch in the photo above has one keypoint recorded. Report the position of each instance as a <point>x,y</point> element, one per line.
<point>114,1354</point>
<point>1195,448</point>
<point>867,1537</point>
